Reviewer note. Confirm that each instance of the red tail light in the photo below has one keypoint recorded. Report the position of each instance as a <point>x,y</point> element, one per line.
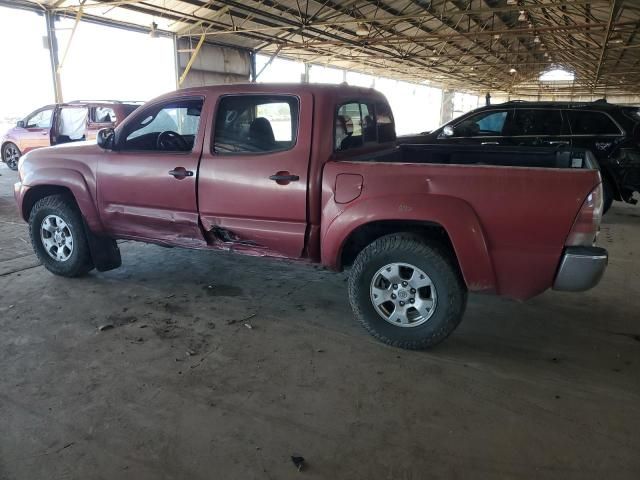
<point>587,224</point>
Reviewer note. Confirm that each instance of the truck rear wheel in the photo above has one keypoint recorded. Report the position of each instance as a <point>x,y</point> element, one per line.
<point>407,293</point>
<point>58,236</point>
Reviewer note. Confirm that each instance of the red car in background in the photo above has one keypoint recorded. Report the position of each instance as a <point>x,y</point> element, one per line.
<point>61,123</point>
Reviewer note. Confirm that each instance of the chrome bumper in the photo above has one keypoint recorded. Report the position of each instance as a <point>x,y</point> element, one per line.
<point>581,268</point>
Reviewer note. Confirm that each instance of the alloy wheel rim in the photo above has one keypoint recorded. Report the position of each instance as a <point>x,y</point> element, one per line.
<point>12,156</point>
<point>57,238</point>
<point>403,295</point>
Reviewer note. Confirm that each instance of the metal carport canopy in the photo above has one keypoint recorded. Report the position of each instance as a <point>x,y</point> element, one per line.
<point>469,45</point>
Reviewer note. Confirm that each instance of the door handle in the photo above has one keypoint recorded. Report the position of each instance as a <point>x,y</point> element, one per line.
<point>283,178</point>
<point>180,173</point>
<point>489,143</point>
<point>558,142</point>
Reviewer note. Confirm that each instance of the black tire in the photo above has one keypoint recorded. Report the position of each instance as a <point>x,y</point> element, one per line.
<point>63,206</point>
<point>607,194</point>
<point>8,155</point>
<point>433,260</point>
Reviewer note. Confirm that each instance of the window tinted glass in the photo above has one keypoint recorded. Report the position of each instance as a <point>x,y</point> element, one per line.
<point>485,123</point>
<point>256,123</point>
<point>169,127</point>
<point>42,119</point>
<point>359,123</point>
<point>103,115</point>
<point>535,122</point>
<point>591,123</point>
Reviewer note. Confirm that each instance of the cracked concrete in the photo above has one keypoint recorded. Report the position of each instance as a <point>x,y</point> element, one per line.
<point>219,366</point>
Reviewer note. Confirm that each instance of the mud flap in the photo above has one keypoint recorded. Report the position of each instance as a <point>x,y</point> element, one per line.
<point>104,250</point>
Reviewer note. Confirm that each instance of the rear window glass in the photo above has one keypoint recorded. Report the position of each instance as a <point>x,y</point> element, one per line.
<point>536,122</point>
<point>256,124</point>
<point>361,123</point>
<point>103,115</point>
<point>591,123</point>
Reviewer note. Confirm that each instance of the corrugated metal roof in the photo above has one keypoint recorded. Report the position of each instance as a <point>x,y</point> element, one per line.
<point>476,45</point>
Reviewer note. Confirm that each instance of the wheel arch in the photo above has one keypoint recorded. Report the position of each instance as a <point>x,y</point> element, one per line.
<point>367,233</point>
<point>450,221</point>
<point>42,182</point>
<point>608,176</point>
<point>39,192</point>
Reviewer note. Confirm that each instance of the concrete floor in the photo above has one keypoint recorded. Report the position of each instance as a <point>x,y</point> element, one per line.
<point>183,388</point>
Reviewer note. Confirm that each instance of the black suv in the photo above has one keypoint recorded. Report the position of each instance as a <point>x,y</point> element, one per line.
<point>611,132</point>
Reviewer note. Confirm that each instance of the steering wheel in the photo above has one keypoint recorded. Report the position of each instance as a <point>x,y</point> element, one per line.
<point>170,140</point>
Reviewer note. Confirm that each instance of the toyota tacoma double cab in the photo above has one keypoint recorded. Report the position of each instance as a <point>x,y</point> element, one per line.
<point>314,172</point>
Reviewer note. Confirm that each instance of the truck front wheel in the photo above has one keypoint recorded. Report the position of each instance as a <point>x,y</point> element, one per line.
<point>58,237</point>
<point>407,293</point>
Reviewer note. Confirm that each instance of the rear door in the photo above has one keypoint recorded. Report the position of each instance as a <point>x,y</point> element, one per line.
<point>537,127</point>
<point>69,124</point>
<point>99,117</point>
<point>252,185</point>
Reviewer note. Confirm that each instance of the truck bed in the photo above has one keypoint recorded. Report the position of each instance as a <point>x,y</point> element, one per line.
<point>507,211</point>
<point>558,157</point>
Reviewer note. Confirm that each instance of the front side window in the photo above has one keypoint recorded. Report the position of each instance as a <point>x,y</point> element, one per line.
<point>359,123</point>
<point>168,127</point>
<point>591,123</point>
<point>528,121</point>
<point>256,124</point>
<point>41,119</point>
<point>483,124</point>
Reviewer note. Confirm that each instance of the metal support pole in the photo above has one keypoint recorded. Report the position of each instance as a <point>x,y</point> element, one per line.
<point>191,60</point>
<point>176,60</point>
<point>252,66</point>
<point>305,75</point>
<point>52,43</point>
<point>446,110</point>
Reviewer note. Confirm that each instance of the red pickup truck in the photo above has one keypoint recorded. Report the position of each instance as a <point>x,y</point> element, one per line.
<point>315,173</point>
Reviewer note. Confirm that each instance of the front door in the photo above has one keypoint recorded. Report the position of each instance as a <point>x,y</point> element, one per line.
<point>147,187</point>
<point>36,130</point>
<point>253,176</point>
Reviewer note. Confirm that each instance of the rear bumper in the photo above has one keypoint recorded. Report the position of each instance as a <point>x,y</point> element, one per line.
<point>581,268</point>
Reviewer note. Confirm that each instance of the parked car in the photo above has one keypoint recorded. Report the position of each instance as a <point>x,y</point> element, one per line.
<point>611,132</point>
<point>312,172</point>
<point>61,123</point>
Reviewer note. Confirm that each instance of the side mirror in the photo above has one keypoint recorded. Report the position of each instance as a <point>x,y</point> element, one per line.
<point>20,124</point>
<point>106,138</point>
<point>448,131</point>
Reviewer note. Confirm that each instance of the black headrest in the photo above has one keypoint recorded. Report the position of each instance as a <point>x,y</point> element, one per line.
<point>260,131</point>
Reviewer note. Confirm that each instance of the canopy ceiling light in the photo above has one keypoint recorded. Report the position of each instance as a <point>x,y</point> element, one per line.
<point>362,30</point>
<point>153,32</point>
